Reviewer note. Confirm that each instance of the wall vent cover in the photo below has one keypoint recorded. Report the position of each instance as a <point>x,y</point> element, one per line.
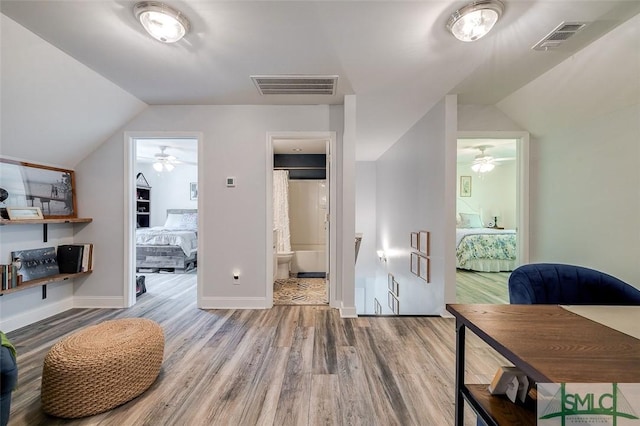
<point>296,84</point>
<point>559,35</point>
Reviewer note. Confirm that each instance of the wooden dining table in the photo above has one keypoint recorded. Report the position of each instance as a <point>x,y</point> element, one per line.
<point>550,344</point>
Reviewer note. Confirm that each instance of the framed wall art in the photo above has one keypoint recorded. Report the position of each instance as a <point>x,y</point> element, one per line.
<point>465,186</point>
<point>24,213</point>
<point>51,189</point>
<point>423,268</point>
<point>423,242</point>
<point>414,263</point>
<point>390,281</point>
<point>193,191</point>
<point>414,240</point>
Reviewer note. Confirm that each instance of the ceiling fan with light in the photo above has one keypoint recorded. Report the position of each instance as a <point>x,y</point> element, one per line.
<point>164,161</point>
<point>484,163</point>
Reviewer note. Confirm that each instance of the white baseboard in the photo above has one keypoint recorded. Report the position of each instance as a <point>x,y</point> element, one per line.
<point>348,312</point>
<point>233,303</point>
<point>98,302</point>
<point>35,315</point>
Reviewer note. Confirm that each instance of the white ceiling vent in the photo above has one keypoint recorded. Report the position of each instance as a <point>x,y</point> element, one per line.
<point>559,35</point>
<point>296,84</point>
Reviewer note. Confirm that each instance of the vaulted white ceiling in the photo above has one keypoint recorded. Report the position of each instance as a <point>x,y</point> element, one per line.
<point>396,56</point>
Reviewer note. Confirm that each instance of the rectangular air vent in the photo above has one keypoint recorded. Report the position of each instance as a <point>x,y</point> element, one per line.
<point>559,35</point>
<point>296,84</point>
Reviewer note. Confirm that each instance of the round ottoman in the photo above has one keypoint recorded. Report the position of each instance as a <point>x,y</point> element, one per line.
<point>101,367</point>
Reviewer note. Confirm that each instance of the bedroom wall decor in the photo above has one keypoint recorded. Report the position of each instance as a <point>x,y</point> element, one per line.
<point>465,186</point>
<point>394,303</point>
<point>32,185</point>
<point>193,191</point>
<point>390,281</point>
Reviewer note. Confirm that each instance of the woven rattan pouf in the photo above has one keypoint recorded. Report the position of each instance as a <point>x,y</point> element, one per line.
<point>101,367</point>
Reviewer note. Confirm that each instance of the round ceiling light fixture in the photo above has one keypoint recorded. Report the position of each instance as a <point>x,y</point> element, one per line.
<point>161,21</point>
<point>475,20</point>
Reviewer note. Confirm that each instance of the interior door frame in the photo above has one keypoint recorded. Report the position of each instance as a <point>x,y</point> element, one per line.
<point>332,243</point>
<point>129,250</point>
<point>522,188</point>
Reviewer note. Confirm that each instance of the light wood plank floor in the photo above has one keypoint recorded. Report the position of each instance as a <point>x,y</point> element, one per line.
<point>290,365</point>
<point>482,287</point>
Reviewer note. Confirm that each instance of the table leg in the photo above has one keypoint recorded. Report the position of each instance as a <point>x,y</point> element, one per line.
<point>460,328</point>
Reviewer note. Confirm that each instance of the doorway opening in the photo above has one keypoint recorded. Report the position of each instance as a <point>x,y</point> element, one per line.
<point>491,214</point>
<point>163,216</point>
<point>301,188</point>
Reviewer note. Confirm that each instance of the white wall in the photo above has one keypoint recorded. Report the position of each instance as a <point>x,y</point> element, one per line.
<point>50,99</point>
<point>411,197</point>
<point>307,210</point>
<point>169,190</point>
<point>492,193</point>
<point>585,177</point>
<point>232,219</point>
<point>368,265</point>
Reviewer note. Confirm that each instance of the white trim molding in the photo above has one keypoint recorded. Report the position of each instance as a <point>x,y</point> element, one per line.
<point>233,303</point>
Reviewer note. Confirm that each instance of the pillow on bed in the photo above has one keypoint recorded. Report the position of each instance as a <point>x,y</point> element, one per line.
<point>190,221</point>
<point>470,220</point>
<point>182,222</point>
<point>174,221</point>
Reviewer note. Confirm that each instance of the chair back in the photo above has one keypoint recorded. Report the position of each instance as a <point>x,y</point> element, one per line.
<point>554,283</point>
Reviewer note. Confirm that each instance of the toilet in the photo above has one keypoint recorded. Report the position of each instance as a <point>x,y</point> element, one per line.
<point>284,264</point>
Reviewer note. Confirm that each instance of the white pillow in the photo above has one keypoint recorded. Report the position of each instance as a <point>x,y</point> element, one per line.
<point>470,220</point>
<point>174,221</point>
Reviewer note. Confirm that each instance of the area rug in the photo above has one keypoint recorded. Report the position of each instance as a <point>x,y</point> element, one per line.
<point>300,291</point>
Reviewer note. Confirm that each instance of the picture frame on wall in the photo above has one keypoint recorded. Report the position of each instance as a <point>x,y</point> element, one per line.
<point>396,287</point>
<point>465,186</point>
<point>51,189</point>
<point>396,305</point>
<point>414,263</point>
<point>423,242</point>
<point>390,300</point>
<point>193,191</point>
<point>423,268</point>
<point>390,281</point>
<point>414,240</point>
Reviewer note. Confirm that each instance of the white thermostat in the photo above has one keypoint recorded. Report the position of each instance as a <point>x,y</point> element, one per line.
<point>231,182</point>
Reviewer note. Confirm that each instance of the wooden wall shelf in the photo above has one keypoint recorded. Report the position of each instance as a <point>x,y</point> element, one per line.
<point>45,221</point>
<point>43,281</point>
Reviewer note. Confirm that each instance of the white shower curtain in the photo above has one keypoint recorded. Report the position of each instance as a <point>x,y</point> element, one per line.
<point>281,209</point>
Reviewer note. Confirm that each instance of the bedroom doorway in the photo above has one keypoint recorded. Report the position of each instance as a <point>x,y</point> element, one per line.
<point>163,215</point>
<point>491,214</point>
<point>300,236</point>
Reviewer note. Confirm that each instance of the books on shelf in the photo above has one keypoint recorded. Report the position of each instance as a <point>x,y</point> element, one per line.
<point>10,277</point>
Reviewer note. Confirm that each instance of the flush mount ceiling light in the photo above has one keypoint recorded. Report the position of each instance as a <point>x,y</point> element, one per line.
<point>161,21</point>
<point>475,20</point>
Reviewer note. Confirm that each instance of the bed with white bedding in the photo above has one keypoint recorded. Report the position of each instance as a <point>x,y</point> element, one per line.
<point>172,247</point>
<point>485,249</point>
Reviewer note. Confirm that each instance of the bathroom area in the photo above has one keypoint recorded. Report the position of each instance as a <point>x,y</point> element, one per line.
<point>300,212</point>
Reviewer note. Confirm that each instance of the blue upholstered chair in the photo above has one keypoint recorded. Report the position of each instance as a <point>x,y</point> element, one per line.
<point>554,283</point>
